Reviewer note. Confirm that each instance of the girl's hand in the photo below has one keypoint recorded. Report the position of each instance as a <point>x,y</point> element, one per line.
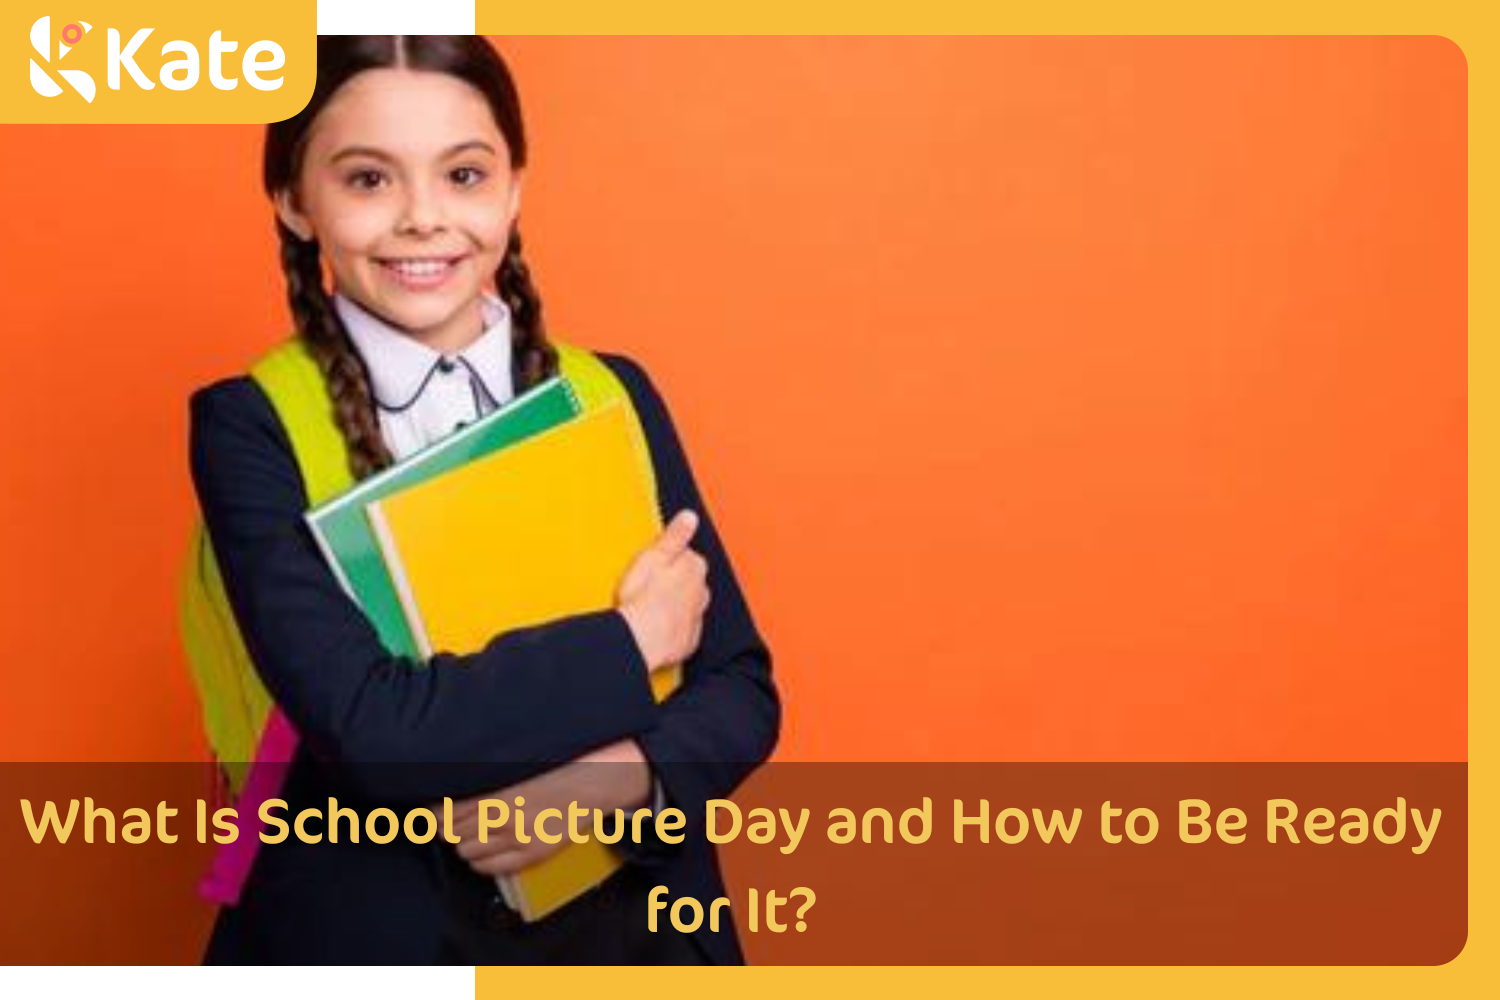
<point>610,778</point>
<point>664,594</point>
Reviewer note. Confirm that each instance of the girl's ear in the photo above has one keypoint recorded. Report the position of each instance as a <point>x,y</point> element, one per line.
<point>513,209</point>
<point>287,212</point>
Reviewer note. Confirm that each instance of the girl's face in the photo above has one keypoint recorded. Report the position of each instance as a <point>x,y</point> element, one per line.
<point>407,186</point>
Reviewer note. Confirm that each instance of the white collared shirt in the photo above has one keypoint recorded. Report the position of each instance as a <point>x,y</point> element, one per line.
<point>421,395</point>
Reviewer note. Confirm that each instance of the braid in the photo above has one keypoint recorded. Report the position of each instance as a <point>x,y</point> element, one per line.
<point>344,372</point>
<point>535,357</point>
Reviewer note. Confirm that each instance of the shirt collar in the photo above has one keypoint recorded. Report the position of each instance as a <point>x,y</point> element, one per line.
<point>401,366</point>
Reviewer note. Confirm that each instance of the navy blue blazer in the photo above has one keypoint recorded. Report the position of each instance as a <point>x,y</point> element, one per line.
<point>376,730</point>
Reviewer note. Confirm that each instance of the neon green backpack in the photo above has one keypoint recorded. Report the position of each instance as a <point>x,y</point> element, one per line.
<point>252,741</point>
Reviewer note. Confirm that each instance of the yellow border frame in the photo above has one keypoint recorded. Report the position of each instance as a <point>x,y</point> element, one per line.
<point>1473,31</point>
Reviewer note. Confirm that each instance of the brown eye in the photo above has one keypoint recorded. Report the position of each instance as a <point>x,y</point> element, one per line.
<point>366,180</point>
<point>466,176</point>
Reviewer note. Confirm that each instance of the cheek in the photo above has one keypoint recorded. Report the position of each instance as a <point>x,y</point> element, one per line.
<point>356,230</point>
<point>345,223</point>
<point>487,224</point>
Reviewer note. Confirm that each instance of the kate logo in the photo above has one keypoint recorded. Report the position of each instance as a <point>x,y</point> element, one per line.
<point>41,40</point>
<point>193,62</point>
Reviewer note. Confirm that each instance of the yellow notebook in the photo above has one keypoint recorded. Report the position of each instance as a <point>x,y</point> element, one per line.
<point>541,530</point>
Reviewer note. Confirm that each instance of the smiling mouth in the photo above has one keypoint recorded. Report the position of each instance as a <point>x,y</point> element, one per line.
<point>420,267</point>
<point>420,274</point>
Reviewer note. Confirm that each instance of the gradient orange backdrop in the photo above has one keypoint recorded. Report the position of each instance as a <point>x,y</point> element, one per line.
<point>1059,399</point>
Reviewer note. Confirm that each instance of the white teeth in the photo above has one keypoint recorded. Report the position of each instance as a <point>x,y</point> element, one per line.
<point>419,268</point>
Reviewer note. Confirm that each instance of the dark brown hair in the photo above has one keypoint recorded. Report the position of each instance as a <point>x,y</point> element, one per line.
<point>469,58</point>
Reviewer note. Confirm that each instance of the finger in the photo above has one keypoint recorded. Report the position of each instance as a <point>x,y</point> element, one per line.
<point>508,862</point>
<point>500,864</point>
<point>470,806</point>
<point>471,848</point>
<point>674,540</point>
<point>688,570</point>
<point>639,571</point>
<point>636,576</point>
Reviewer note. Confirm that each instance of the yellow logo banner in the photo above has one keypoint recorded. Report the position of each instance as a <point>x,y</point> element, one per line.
<point>156,61</point>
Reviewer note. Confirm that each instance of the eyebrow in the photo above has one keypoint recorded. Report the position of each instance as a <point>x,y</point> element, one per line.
<point>379,154</point>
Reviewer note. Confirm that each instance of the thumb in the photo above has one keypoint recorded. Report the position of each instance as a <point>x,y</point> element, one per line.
<point>674,540</point>
<point>636,574</point>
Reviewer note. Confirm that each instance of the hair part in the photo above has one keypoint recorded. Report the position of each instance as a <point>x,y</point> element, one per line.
<point>340,57</point>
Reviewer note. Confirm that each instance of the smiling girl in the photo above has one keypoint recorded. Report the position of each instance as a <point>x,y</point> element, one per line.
<point>397,192</point>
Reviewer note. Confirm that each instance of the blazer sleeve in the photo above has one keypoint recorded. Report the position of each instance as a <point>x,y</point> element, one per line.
<point>725,718</point>
<point>489,719</point>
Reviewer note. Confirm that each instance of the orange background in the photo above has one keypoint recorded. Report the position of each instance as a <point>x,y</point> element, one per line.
<point>1059,399</point>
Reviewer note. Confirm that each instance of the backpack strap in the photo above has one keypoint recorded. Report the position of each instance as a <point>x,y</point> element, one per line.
<point>292,380</point>
<point>235,703</point>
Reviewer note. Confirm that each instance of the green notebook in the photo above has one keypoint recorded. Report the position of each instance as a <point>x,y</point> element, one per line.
<point>343,531</point>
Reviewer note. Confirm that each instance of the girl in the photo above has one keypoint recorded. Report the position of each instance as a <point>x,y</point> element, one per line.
<point>402,177</point>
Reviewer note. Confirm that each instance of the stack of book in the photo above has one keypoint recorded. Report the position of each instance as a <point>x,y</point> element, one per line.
<point>530,514</point>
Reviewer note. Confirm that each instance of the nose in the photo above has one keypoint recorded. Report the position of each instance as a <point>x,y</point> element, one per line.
<point>421,212</point>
